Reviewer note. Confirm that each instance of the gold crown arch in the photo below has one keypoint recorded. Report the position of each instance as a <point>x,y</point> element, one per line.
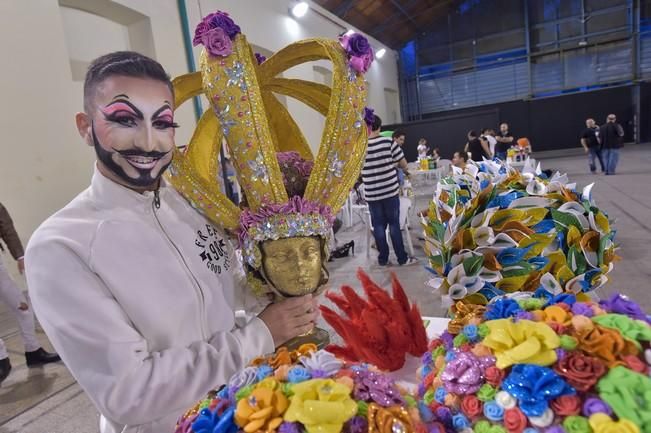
<point>255,125</point>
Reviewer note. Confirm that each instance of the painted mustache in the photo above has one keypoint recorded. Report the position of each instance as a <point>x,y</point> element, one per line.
<point>154,154</point>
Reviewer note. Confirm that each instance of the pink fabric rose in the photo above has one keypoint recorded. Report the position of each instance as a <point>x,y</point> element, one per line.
<point>361,63</point>
<point>217,42</point>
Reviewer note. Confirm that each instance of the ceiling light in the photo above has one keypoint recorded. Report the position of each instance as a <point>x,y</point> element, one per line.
<point>380,53</point>
<point>300,9</point>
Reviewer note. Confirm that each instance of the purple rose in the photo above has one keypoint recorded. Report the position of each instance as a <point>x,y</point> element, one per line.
<point>594,405</point>
<point>621,304</point>
<point>201,29</point>
<point>369,116</point>
<point>374,387</point>
<point>358,45</point>
<point>217,42</point>
<point>260,58</point>
<point>362,63</point>
<point>222,21</point>
<point>444,415</point>
<point>465,373</point>
<point>524,315</point>
<point>357,424</point>
<point>582,309</point>
<point>289,427</point>
<point>555,429</point>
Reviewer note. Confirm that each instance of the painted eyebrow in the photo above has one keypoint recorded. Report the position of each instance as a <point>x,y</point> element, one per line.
<point>166,106</point>
<point>137,112</point>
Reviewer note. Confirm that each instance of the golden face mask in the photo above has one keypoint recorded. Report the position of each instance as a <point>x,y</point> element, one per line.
<point>293,265</point>
<point>246,114</point>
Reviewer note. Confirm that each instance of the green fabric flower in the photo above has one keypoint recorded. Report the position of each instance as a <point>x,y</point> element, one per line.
<point>486,392</point>
<point>629,395</point>
<point>634,330</point>
<point>576,424</point>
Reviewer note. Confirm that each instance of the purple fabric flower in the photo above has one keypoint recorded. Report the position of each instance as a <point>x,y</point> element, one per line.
<point>223,21</point>
<point>290,427</point>
<point>361,63</point>
<point>524,315</point>
<point>217,42</point>
<point>215,20</point>
<point>444,415</point>
<point>594,405</point>
<point>426,359</point>
<point>372,386</point>
<point>369,115</point>
<point>260,58</point>
<point>357,424</point>
<point>465,373</point>
<point>292,158</point>
<point>201,29</point>
<point>619,303</point>
<point>582,309</point>
<point>448,340</point>
<point>358,45</point>
<point>555,429</point>
<point>560,353</point>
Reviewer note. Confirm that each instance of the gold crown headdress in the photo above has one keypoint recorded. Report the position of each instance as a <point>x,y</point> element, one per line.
<point>256,126</point>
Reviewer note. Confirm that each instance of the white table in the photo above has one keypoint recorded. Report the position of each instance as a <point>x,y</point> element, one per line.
<point>406,376</point>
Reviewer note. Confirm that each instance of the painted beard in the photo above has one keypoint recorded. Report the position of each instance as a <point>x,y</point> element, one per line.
<point>144,178</point>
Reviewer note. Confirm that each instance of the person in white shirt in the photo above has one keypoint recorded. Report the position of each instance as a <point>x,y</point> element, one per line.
<point>422,149</point>
<point>489,135</point>
<point>136,290</point>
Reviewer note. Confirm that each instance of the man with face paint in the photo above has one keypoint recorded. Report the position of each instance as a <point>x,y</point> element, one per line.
<point>135,289</point>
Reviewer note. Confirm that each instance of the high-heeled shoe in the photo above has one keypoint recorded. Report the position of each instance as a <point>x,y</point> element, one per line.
<point>343,250</point>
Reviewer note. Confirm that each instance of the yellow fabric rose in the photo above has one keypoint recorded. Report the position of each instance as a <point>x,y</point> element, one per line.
<point>602,423</point>
<point>262,410</point>
<point>321,405</point>
<point>522,342</point>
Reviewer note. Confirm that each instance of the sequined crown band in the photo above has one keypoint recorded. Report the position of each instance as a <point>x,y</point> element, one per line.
<point>248,116</point>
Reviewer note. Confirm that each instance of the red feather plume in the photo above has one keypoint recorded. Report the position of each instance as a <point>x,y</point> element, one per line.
<point>381,330</point>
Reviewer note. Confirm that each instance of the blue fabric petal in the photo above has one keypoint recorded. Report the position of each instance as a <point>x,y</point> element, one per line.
<point>542,293</point>
<point>544,226</point>
<point>539,262</point>
<point>490,291</point>
<point>502,309</point>
<point>567,298</point>
<point>511,256</point>
<point>534,387</point>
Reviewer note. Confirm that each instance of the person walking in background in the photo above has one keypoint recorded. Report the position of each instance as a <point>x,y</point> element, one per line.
<point>11,295</point>
<point>504,142</point>
<point>477,147</point>
<point>382,193</point>
<point>611,136</point>
<point>489,135</point>
<point>422,149</point>
<point>590,143</point>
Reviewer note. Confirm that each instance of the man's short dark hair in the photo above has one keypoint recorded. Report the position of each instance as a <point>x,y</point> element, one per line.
<point>463,155</point>
<point>397,134</point>
<point>472,133</point>
<point>125,64</point>
<point>377,123</point>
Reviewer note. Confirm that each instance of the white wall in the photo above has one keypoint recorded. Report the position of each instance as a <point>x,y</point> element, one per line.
<point>43,162</point>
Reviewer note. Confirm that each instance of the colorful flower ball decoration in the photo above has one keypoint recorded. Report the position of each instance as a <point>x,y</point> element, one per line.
<point>492,230</point>
<point>557,365</point>
<point>304,391</point>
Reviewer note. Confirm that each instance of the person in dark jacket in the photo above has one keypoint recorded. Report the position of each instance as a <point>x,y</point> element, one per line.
<point>611,137</point>
<point>11,295</point>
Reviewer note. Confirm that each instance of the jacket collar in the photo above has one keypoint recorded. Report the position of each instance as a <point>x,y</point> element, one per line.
<point>109,194</point>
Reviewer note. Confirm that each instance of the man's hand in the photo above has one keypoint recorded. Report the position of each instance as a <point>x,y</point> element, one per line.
<point>21,265</point>
<point>290,318</point>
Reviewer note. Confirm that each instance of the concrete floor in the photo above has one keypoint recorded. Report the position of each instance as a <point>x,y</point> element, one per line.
<point>48,399</point>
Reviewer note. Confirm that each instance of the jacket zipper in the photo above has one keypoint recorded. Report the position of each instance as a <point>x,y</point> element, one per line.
<point>195,282</point>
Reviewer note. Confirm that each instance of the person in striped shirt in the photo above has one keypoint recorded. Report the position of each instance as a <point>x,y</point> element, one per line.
<point>381,189</point>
